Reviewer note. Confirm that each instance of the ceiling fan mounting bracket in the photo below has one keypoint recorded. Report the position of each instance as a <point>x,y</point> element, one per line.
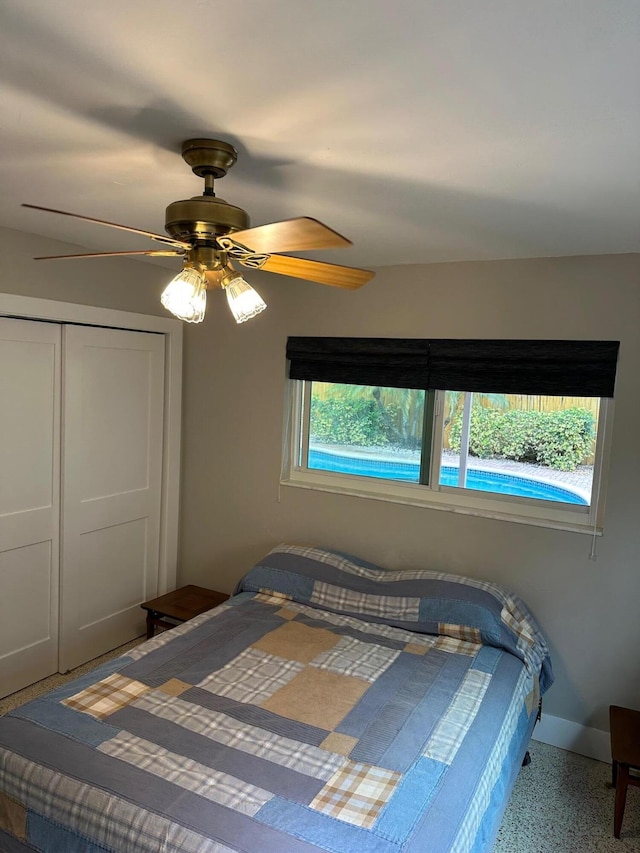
<point>205,217</point>
<point>209,157</point>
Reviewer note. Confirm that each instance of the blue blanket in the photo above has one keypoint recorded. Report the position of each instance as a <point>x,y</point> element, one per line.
<point>317,710</point>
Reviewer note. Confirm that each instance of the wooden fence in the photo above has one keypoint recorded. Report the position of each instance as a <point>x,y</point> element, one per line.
<point>553,404</point>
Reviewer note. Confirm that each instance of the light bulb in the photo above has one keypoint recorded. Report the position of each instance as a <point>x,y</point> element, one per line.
<point>243,300</point>
<point>186,296</point>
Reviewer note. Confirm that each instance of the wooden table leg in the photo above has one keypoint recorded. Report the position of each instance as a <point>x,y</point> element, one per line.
<point>621,798</point>
<point>150,625</point>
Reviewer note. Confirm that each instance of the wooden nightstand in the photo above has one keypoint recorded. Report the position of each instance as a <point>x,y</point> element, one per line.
<point>180,605</point>
<point>625,752</point>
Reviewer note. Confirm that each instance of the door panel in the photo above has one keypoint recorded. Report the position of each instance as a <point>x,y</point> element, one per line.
<point>115,583</point>
<point>26,584</point>
<point>115,439</point>
<point>112,467</point>
<point>29,501</point>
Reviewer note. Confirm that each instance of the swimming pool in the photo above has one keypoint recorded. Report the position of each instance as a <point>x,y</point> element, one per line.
<point>408,472</point>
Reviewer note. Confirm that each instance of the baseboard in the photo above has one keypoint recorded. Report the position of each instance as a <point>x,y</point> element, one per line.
<point>555,731</point>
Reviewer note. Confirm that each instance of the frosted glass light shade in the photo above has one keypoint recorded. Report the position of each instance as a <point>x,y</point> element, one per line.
<point>186,296</point>
<point>243,300</point>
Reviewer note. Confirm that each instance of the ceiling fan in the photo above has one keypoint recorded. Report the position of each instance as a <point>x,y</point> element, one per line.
<point>211,235</point>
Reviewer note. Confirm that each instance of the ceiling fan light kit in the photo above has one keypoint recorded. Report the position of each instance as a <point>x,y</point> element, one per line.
<point>186,297</point>
<point>244,301</point>
<point>209,233</point>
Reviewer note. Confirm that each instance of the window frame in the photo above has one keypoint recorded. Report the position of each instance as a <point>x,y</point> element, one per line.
<point>573,517</point>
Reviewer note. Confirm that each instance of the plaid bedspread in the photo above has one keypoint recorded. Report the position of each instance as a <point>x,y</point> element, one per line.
<point>271,725</point>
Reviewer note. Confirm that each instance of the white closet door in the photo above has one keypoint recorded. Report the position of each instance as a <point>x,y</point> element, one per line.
<point>29,501</point>
<point>111,485</point>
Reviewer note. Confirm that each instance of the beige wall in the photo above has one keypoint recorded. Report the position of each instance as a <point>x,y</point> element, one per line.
<point>127,285</point>
<point>233,509</point>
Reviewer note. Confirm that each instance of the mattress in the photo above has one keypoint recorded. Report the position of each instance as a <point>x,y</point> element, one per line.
<point>329,705</point>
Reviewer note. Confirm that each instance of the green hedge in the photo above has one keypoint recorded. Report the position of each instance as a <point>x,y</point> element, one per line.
<point>336,420</point>
<point>561,440</point>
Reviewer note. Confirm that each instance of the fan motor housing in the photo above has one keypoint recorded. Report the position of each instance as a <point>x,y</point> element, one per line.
<point>203,218</point>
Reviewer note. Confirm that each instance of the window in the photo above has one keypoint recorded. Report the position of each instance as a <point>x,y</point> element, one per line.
<point>536,457</point>
<point>366,431</point>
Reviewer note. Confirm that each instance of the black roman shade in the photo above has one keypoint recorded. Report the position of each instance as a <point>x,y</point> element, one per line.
<point>389,362</point>
<point>570,368</point>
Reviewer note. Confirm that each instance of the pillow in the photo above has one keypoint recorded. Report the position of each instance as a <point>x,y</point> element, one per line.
<point>416,600</point>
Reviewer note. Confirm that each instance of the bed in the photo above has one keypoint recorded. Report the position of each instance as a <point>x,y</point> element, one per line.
<point>329,705</point>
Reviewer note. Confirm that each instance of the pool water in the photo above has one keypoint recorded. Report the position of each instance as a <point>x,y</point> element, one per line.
<point>409,472</point>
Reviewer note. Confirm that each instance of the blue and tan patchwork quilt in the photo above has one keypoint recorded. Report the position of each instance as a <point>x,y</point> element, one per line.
<point>328,706</point>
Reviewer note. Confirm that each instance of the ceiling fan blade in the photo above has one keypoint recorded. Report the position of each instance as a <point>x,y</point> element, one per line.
<point>150,234</point>
<point>154,253</point>
<point>332,274</point>
<point>291,235</point>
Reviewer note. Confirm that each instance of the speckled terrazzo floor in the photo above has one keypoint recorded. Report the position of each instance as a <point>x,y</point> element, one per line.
<point>561,802</point>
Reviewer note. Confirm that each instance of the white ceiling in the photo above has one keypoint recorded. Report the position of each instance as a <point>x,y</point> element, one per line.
<point>424,130</point>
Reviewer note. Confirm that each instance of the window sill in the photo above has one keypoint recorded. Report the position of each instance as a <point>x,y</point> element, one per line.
<point>540,514</point>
